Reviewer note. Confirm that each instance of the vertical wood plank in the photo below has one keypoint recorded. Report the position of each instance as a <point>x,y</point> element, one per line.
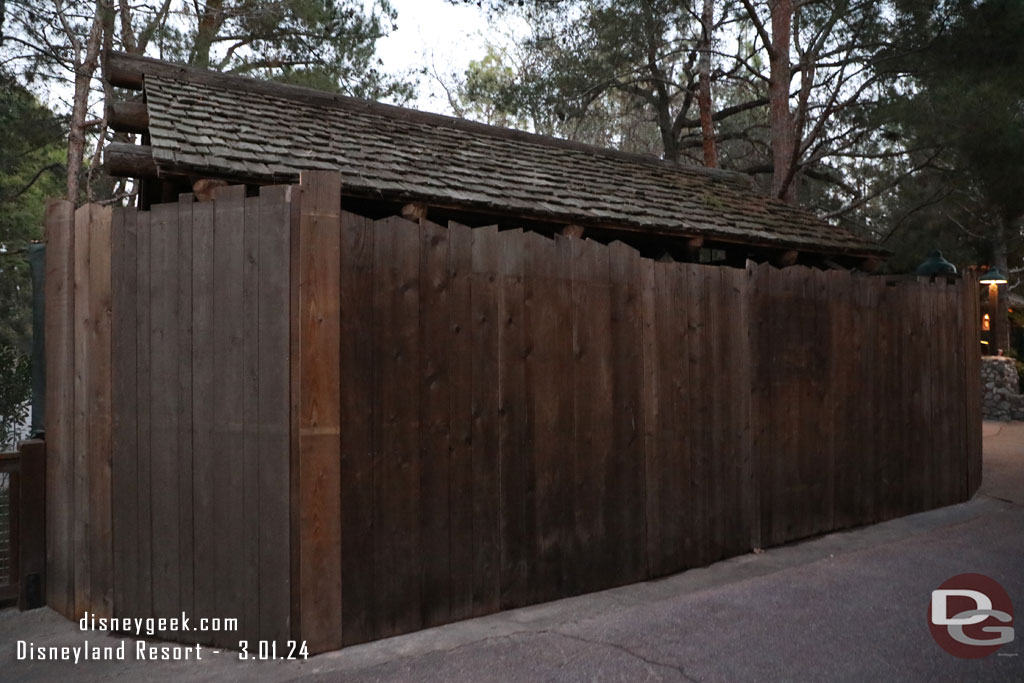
<point>99,396</point>
<point>763,338</point>
<point>183,394</point>
<point>484,301</point>
<point>516,501</point>
<point>844,360</point>
<point>228,466</point>
<point>434,405</point>
<point>957,398</point>
<point>546,310</point>
<point>358,414</point>
<point>651,384</point>
<point>273,320</point>
<point>625,543</point>
<point>592,413</point>
<point>60,408</point>
<point>82,598</point>
<point>747,482</point>
<point>672,478</point>
<point>972,383</point>
<point>204,453</point>
<point>460,347</point>
<point>124,474</point>
<point>319,411</point>
<point>143,378</point>
<point>397,548</point>
<point>247,573</point>
<point>164,325</point>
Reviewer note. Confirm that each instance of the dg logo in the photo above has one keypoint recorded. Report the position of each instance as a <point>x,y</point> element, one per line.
<point>971,616</point>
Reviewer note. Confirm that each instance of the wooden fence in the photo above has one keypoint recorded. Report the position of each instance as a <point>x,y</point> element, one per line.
<point>338,429</point>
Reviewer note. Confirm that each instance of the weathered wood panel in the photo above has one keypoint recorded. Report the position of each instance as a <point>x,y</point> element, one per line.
<point>124,474</point>
<point>318,460</point>
<point>434,411</point>
<point>460,463</point>
<point>227,469</point>
<point>397,558</point>
<point>99,397</point>
<point>273,418</point>
<point>164,324</point>
<point>516,503</point>
<point>357,419</point>
<point>204,416</point>
<point>340,429</point>
<point>485,289</point>
<point>60,404</point>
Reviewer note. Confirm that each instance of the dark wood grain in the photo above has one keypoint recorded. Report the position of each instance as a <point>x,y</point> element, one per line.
<point>397,541</point>
<point>516,490</point>
<point>319,411</point>
<point>99,397</point>
<point>460,463</point>
<point>165,321</point>
<point>183,405</point>
<point>625,540</point>
<point>205,455</point>
<point>80,501</point>
<point>228,467</point>
<point>486,525</point>
<point>60,411</point>
<point>434,406</point>
<point>249,398</point>
<point>357,420</point>
<point>124,463</point>
<point>593,413</point>
<point>144,378</point>
<point>273,315</point>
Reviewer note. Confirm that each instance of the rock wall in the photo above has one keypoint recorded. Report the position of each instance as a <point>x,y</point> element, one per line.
<point>1000,392</point>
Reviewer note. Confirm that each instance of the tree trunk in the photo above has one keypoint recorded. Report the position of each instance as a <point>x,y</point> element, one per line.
<point>207,29</point>
<point>781,119</point>
<point>86,60</point>
<point>707,126</point>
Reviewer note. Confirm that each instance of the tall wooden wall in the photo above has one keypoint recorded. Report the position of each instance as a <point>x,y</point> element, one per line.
<point>170,391</point>
<point>339,429</point>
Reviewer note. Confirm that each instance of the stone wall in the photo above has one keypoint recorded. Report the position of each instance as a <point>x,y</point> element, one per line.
<point>1000,393</point>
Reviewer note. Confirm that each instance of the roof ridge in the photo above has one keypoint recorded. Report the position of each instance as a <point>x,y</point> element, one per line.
<point>126,70</point>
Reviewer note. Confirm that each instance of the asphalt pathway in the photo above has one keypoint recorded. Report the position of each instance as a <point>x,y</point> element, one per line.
<point>847,606</point>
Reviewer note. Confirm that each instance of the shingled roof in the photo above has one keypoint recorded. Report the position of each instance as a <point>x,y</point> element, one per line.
<point>215,125</point>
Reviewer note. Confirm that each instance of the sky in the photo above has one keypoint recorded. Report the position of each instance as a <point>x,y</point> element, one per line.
<point>440,36</point>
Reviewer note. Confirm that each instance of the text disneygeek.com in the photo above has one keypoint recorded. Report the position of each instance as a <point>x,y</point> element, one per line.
<point>142,650</point>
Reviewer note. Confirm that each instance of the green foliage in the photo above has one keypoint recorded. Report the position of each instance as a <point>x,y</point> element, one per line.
<point>15,390</point>
<point>31,152</point>
<point>963,110</point>
<point>326,44</point>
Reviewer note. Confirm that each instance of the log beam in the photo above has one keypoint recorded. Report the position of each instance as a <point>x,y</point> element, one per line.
<point>573,230</point>
<point>693,247</point>
<point>128,117</point>
<point>125,160</point>
<point>414,211</point>
<point>870,265</point>
<point>123,73</point>
<point>786,258</point>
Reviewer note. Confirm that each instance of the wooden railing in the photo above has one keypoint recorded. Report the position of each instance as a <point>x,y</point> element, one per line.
<point>22,525</point>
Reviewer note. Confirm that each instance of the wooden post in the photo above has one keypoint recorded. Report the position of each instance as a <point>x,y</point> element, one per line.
<point>316,388</point>
<point>32,525</point>
<point>60,403</point>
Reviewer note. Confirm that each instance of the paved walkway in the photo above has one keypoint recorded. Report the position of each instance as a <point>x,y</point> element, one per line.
<point>848,606</point>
